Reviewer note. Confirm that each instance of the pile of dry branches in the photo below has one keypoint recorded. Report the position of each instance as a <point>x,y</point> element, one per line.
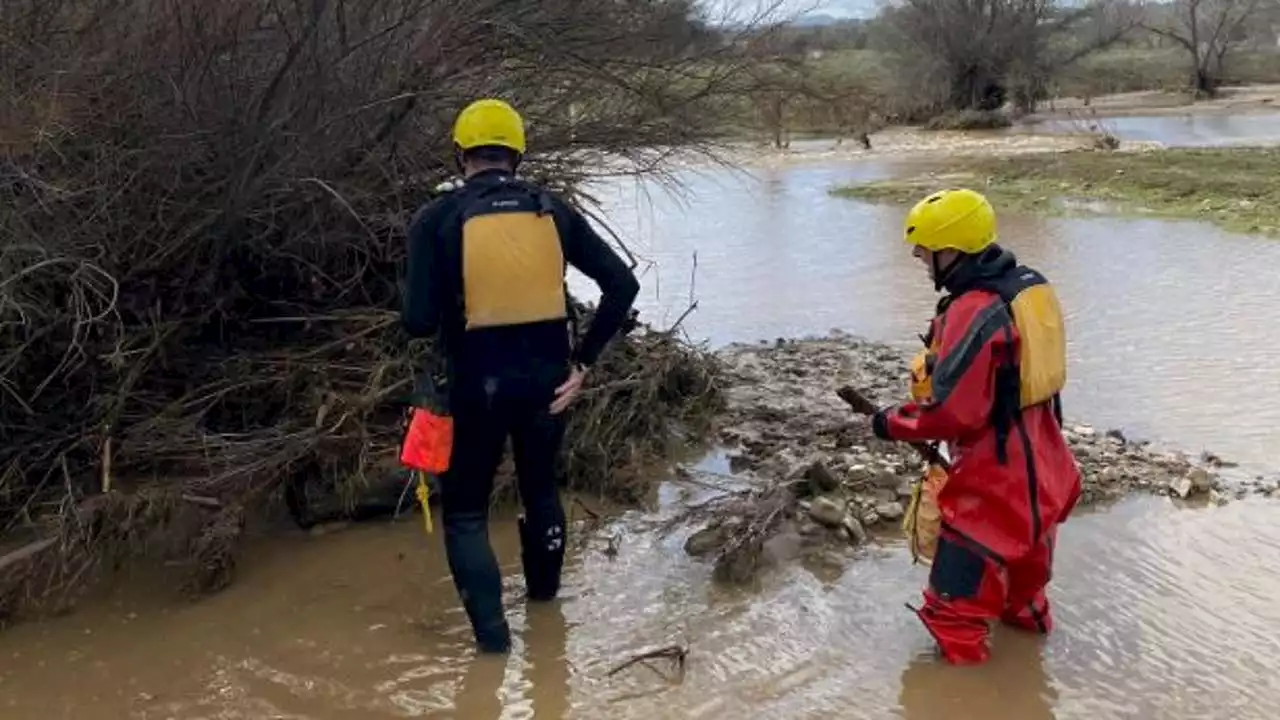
<point>202,227</point>
<point>652,384</point>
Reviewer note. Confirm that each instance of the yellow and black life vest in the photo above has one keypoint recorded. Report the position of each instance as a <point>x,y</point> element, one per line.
<point>1039,372</point>
<point>513,263</point>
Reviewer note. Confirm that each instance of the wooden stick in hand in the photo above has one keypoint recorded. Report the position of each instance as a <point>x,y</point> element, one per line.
<point>862,405</point>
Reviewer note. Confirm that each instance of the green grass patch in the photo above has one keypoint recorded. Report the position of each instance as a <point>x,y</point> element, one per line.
<point>1235,188</point>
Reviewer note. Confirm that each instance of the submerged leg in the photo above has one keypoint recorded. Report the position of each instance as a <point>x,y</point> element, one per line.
<point>536,438</point>
<point>1028,607</point>
<point>479,435</point>
<point>965,594</point>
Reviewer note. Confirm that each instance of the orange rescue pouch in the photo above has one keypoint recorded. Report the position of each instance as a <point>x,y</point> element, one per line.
<point>428,442</point>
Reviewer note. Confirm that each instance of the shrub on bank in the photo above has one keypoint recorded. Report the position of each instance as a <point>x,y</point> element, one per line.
<point>970,120</point>
<point>202,231</point>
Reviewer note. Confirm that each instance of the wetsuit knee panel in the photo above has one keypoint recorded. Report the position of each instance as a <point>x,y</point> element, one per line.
<point>957,571</point>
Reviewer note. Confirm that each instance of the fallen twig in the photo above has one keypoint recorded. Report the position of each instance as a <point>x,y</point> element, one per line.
<point>212,503</point>
<point>676,653</point>
<point>24,553</point>
<point>585,508</point>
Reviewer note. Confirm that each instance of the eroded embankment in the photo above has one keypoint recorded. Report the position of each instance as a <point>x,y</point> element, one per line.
<point>820,471</point>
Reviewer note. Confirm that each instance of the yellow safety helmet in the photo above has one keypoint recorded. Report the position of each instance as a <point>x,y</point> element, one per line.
<point>489,122</point>
<point>960,220</point>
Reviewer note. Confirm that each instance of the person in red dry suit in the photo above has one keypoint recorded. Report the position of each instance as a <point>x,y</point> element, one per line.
<point>994,364</point>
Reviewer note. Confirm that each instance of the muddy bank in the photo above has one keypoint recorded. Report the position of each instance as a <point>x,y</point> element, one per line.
<point>822,474</point>
<point>912,144</point>
<point>650,390</point>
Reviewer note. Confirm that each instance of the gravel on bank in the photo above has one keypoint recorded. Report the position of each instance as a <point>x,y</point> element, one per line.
<point>784,427</point>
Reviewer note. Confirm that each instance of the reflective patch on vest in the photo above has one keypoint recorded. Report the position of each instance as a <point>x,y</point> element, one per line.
<point>1042,357</point>
<point>512,267</point>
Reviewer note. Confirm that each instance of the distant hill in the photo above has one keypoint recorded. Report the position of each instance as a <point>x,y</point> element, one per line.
<point>819,20</point>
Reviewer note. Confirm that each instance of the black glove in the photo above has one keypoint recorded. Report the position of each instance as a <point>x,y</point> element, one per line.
<point>880,424</point>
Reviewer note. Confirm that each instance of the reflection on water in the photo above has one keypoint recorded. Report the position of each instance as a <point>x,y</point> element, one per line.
<point>1160,613</point>
<point>1190,130</point>
<point>1167,319</point>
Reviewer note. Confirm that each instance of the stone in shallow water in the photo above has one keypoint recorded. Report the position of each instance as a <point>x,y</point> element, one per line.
<point>821,477</point>
<point>705,541</point>
<point>827,510</point>
<point>854,531</point>
<point>1182,487</point>
<point>1201,480</point>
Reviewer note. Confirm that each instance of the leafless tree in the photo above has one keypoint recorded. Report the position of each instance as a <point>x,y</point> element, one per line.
<point>1209,30</point>
<point>970,54</point>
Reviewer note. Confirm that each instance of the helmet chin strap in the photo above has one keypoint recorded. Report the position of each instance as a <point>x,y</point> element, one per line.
<point>939,274</point>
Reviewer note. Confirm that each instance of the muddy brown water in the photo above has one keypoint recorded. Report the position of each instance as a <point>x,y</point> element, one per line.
<point>1168,321</point>
<point>1163,611</point>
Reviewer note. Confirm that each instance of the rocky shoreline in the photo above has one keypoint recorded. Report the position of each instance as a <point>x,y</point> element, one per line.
<point>818,469</point>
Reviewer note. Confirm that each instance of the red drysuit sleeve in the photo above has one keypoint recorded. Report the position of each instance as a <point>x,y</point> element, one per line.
<point>972,328</point>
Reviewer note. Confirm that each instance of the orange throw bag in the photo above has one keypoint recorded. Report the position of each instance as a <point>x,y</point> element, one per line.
<point>428,442</point>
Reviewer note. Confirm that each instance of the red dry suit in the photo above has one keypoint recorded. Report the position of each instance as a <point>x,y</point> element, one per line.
<point>996,361</point>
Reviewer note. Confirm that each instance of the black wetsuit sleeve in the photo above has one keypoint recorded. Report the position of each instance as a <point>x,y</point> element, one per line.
<point>585,250</point>
<point>420,313</point>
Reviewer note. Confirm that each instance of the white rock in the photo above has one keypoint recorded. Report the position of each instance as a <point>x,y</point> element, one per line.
<point>1201,480</point>
<point>890,511</point>
<point>1182,487</point>
<point>1084,431</point>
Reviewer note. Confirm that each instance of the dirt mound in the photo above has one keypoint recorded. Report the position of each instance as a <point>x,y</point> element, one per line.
<point>819,470</point>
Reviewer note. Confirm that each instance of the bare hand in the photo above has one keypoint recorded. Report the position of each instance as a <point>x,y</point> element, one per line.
<point>569,391</point>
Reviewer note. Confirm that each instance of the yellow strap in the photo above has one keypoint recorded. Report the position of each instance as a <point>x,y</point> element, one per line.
<point>910,520</point>
<point>421,492</point>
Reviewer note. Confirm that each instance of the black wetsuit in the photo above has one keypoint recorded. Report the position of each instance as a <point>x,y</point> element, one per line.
<point>507,346</point>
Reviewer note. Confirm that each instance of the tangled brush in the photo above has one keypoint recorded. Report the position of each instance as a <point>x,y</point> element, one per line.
<point>202,230</point>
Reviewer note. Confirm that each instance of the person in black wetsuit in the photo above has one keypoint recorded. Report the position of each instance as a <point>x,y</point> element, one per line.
<point>486,278</point>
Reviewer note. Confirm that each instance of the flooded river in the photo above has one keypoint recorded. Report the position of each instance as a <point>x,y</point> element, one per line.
<point>1163,612</point>
<point>1189,130</point>
<point>1167,321</point>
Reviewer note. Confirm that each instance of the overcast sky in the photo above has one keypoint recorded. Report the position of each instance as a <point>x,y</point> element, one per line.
<point>836,8</point>
<point>847,8</point>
